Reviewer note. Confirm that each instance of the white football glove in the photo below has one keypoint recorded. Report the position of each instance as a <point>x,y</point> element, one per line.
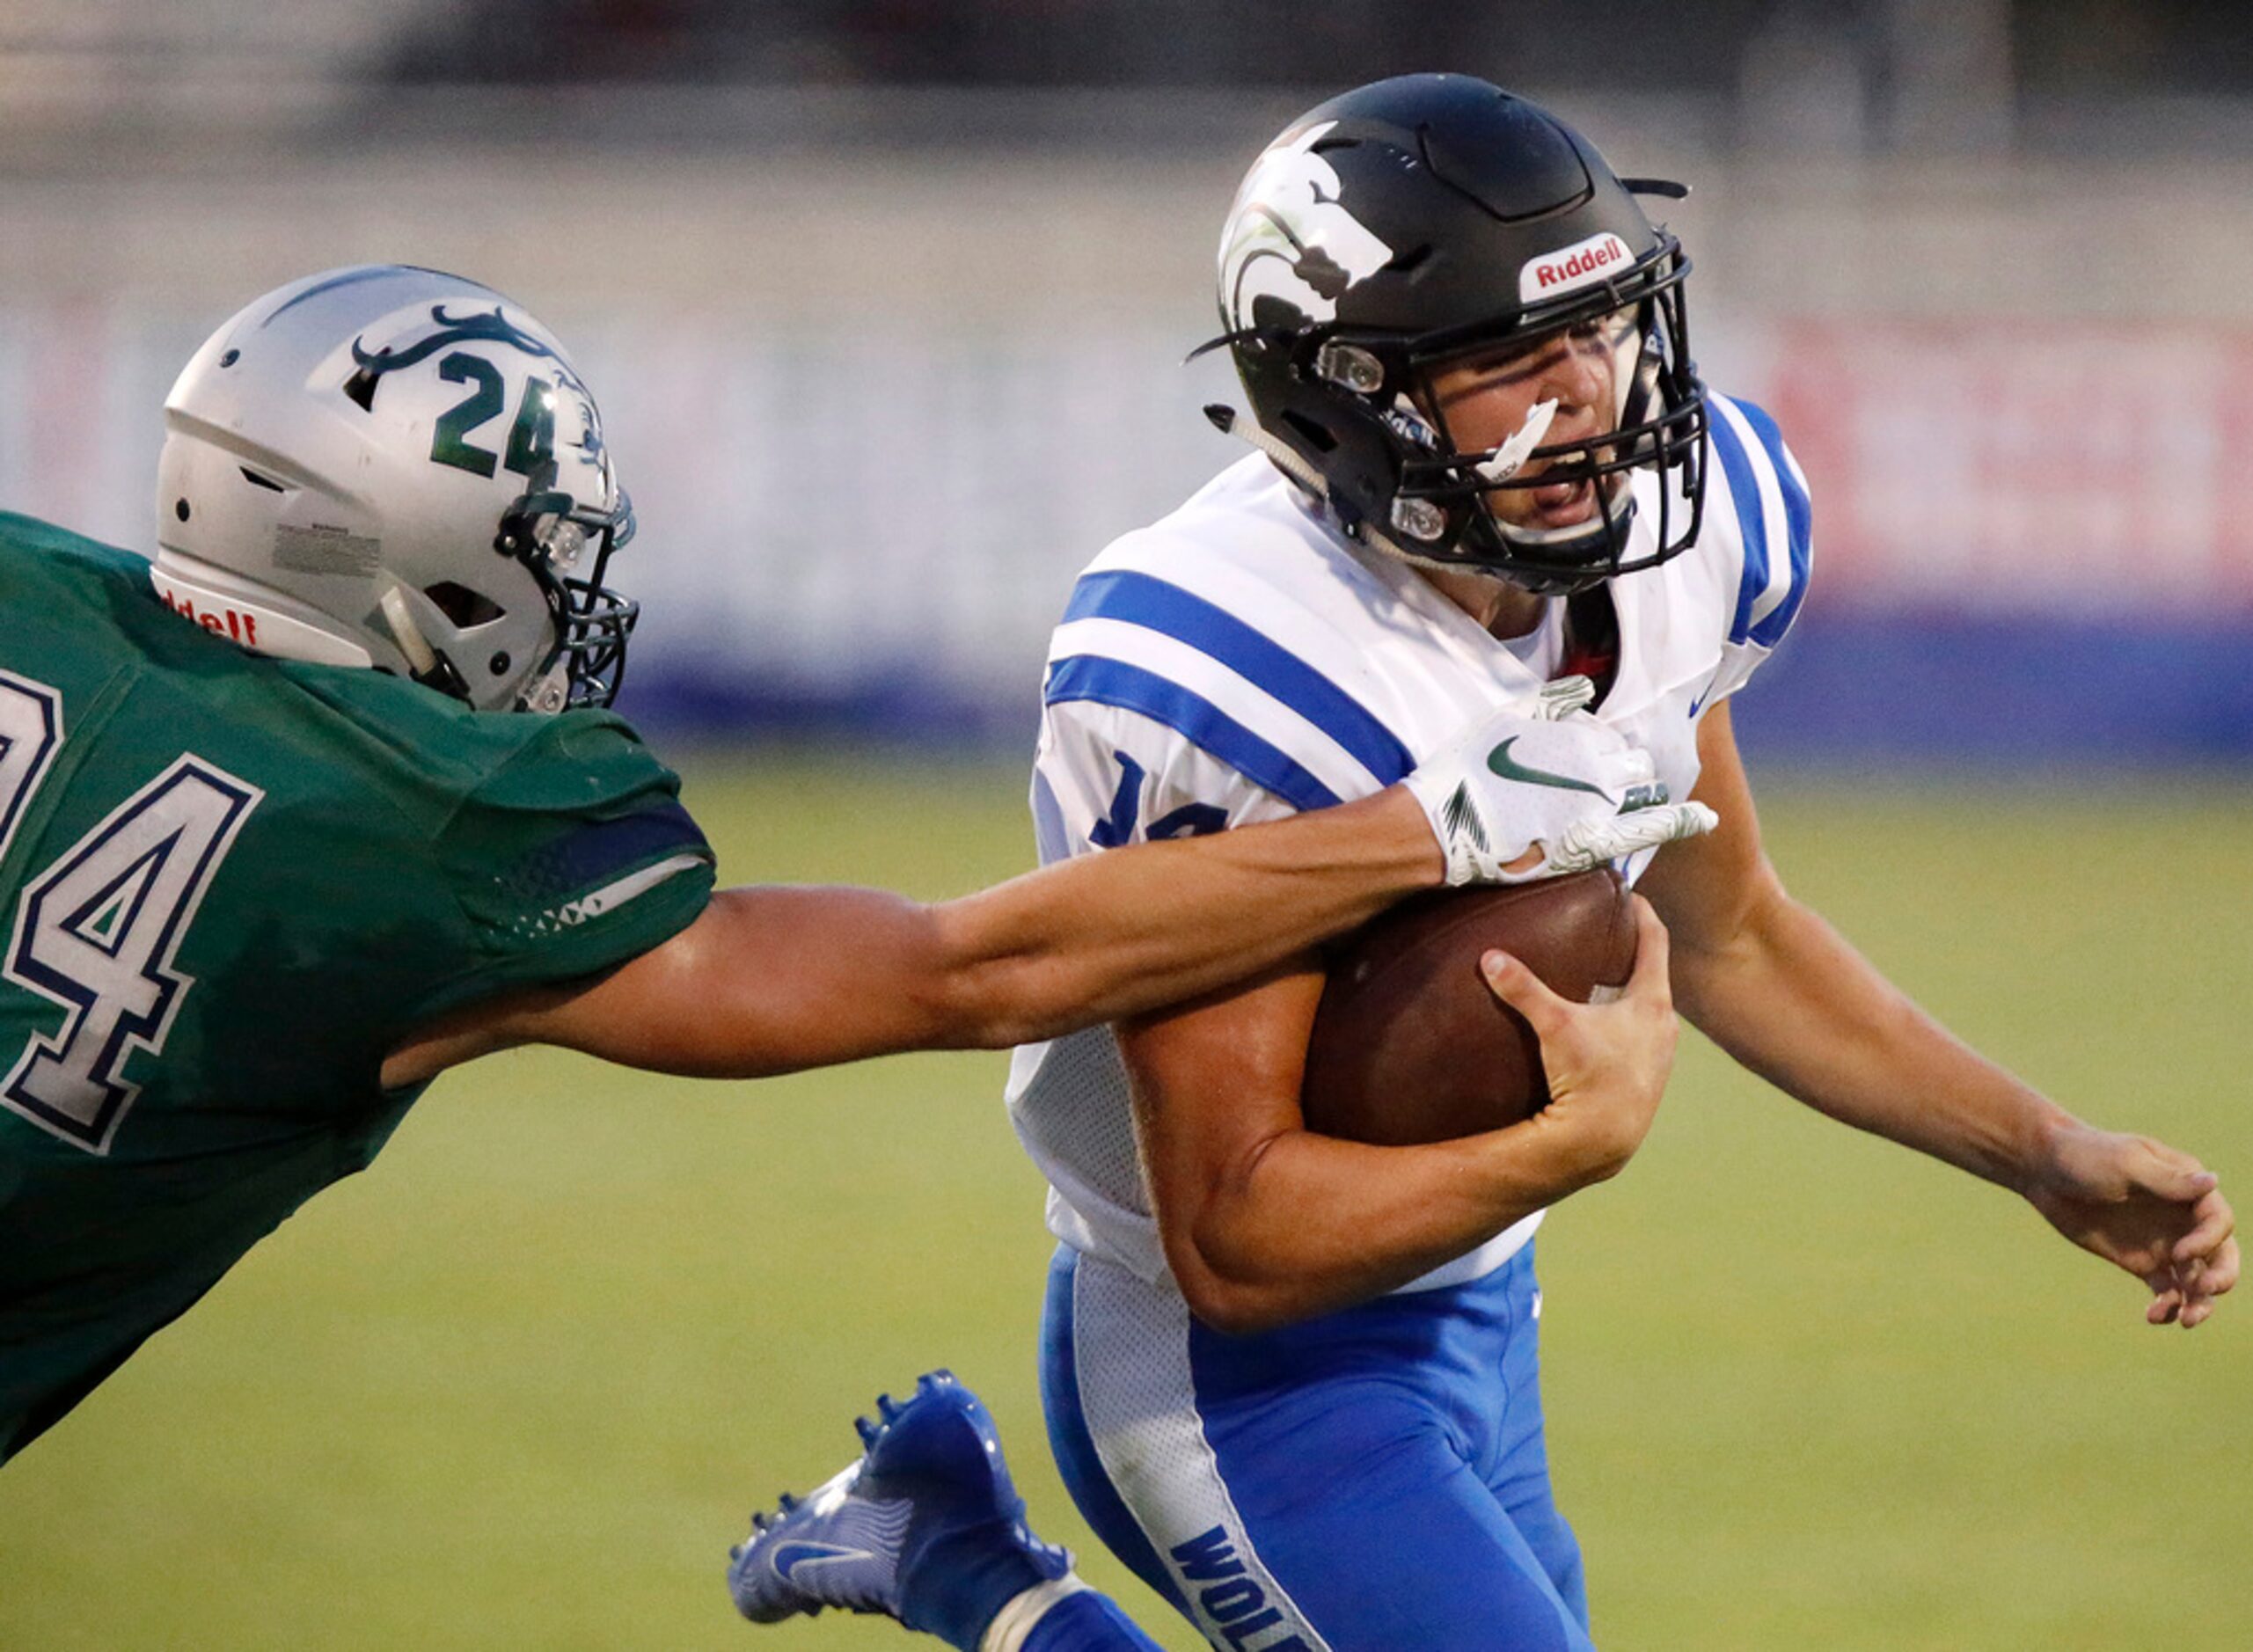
<point>1543,775</point>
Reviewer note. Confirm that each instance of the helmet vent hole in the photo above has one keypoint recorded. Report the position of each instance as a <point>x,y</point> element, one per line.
<point>253,478</point>
<point>1321,440</point>
<point>1410,261</point>
<point>361,388</point>
<point>231,358</point>
<point>180,508</point>
<point>462,606</point>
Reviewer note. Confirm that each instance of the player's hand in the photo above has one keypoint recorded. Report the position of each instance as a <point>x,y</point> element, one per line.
<point>2146,1207</point>
<point>1607,1063</point>
<point>1540,788</point>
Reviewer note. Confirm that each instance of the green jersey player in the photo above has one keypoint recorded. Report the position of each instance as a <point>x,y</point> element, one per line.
<point>240,884</point>
<point>324,800</point>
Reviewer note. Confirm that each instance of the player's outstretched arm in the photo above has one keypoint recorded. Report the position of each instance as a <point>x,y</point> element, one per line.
<point>773,979</point>
<point>1265,1222</point>
<point>1781,990</point>
<point>769,980</point>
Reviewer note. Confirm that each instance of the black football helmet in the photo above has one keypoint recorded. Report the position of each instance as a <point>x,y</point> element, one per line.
<point>1435,219</point>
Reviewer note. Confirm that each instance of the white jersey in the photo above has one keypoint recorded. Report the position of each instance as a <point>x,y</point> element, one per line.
<point>1241,660</point>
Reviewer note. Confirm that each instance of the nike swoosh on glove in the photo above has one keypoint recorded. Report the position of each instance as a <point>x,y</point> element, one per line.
<point>1542,774</point>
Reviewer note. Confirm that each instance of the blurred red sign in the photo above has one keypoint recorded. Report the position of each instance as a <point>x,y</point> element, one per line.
<point>2049,466</point>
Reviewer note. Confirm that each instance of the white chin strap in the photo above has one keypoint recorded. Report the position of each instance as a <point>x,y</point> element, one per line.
<point>1617,492</point>
<point>422,658</point>
<point>548,692</point>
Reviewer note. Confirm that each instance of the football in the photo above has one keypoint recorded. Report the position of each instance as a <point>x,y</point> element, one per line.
<point>1410,1045</point>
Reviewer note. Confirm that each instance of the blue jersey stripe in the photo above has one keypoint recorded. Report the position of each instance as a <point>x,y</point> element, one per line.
<point>1799,513</point>
<point>1088,677</point>
<point>1140,599</point>
<point>1752,520</point>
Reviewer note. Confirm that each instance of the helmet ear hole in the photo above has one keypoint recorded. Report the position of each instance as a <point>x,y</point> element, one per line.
<point>462,606</point>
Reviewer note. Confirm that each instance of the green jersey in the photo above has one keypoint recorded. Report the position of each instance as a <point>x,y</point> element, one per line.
<point>229,887</point>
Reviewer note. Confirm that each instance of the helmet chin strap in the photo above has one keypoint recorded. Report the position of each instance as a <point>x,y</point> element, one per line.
<point>422,658</point>
<point>424,664</point>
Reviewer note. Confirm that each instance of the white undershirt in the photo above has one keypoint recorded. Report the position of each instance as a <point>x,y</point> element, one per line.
<point>1541,650</point>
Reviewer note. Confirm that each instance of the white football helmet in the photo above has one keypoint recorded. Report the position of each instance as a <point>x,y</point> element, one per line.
<point>396,468</point>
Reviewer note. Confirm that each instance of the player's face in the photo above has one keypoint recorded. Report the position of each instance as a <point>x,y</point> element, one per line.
<point>1483,400</point>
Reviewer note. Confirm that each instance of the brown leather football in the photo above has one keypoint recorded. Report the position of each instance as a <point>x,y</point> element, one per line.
<point>1410,1044</point>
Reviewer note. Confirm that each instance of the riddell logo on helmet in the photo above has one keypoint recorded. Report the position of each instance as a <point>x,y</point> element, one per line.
<point>1569,268</point>
<point>224,622</point>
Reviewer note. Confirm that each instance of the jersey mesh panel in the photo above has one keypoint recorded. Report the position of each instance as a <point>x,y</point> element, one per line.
<point>1071,1108</point>
<point>1138,1392</point>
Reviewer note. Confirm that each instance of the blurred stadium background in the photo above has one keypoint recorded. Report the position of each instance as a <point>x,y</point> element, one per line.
<point>886,304</point>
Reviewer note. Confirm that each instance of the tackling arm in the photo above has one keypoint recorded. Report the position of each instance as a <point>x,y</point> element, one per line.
<point>1786,995</point>
<point>769,980</point>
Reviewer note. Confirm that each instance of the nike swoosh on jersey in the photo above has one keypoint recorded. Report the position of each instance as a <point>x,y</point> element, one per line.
<point>788,1557</point>
<point>1503,764</point>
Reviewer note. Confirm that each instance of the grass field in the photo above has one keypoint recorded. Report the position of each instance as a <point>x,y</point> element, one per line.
<point>517,1387</point>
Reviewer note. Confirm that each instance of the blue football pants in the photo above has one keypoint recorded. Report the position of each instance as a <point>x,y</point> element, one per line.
<point>1369,1482</point>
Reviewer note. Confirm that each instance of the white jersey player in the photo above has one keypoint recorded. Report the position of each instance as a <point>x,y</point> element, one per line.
<point>1243,659</point>
<point>1292,1381</point>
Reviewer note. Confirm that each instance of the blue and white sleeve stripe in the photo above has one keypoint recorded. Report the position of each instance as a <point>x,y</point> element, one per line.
<point>1132,639</point>
<point>1197,719</point>
<point>1773,518</point>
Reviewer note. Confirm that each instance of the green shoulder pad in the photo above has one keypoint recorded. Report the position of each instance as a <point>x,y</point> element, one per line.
<point>573,856</point>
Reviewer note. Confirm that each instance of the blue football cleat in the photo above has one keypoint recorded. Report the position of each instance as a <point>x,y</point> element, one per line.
<point>926,1527</point>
